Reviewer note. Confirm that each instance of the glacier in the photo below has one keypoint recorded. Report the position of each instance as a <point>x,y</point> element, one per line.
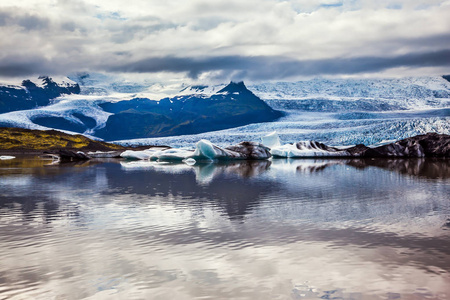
<point>323,127</point>
<point>336,112</point>
<point>74,111</point>
<point>407,93</point>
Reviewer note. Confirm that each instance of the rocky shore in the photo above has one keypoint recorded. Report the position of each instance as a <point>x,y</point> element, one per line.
<point>67,147</point>
<point>427,145</point>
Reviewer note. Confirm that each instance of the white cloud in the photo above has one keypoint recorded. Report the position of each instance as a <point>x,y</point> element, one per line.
<point>62,36</point>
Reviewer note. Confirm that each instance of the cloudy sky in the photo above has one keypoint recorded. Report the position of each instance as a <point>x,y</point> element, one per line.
<point>217,40</point>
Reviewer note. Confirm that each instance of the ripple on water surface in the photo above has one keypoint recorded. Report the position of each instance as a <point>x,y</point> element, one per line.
<point>287,229</point>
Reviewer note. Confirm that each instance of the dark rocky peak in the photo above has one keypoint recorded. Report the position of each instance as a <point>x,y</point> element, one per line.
<point>48,82</point>
<point>235,87</point>
<point>195,88</point>
<point>446,77</point>
<point>29,85</point>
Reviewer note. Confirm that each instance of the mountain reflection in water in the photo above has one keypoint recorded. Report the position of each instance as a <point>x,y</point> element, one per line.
<point>288,229</point>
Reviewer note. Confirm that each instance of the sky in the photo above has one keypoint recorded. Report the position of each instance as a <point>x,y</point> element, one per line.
<point>217,40</point>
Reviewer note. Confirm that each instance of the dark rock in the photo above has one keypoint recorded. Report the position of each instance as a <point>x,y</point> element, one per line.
<point>318,146</point>
<point>357,150</point>
<point>68,155</point>
<point>251,150</point>
<point>427,145</point>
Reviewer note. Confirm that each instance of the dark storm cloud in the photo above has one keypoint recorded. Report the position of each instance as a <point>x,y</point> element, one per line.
<point>25,66</point>
<point>276,67</point>
<point>235,67</point>
<point>440,40</point>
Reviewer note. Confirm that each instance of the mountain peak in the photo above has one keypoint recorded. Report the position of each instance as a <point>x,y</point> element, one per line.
<point>234,87</point>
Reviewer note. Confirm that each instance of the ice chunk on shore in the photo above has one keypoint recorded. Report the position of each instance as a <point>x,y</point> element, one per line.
<point>207,150</point>
<point>244,150</point>
<point>104,154</point>
<point>5,157</point>
<point>135,154</point>
<point>172,154</point>
<point>307,149</point>
<point>271,140</point>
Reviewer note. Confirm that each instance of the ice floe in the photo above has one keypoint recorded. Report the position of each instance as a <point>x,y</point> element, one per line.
<point>271,140</point>
<point>307,149</point>
<point>205,150</point>
<point>104,154</point>
<point>138,154</point>
<point>244,150</point>
<point>6,157</point>
<point>171,154</point>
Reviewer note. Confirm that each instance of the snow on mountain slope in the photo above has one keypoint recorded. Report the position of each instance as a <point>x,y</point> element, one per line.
<point>38,81</point>
<point>77,112</point>
<point>206,90</point>
<point>118,88</point>
<point>393,93</point>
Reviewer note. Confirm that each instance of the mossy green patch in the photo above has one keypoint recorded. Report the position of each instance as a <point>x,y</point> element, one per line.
<point>25,139</point>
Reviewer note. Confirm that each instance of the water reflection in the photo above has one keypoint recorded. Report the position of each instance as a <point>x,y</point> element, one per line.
<point>433,168</point>
<point>227,185</point>
<point>236,187</point>
<point>288,229</point>
<point>205,172</point>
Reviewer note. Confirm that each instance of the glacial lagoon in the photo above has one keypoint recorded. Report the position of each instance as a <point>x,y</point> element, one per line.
<point>276,229</point>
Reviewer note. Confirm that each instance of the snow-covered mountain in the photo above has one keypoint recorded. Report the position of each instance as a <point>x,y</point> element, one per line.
<point>28,94</point>
<point>205,90</point>
<point>111,117</point>
<point>336,112</point>
<point>116,88</point>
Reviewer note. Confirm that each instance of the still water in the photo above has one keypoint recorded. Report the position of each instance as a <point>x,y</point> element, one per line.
<point>281,229</point>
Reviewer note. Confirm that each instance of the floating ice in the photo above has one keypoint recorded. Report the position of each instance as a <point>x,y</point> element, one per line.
<point>172,154</point>
<point>5,157</point>
<point>307,149</point>
<point>271,140</point>
<point>134,154</point>
<point>207,150</point>
<point>104,154</point>
<point>244,150</point>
